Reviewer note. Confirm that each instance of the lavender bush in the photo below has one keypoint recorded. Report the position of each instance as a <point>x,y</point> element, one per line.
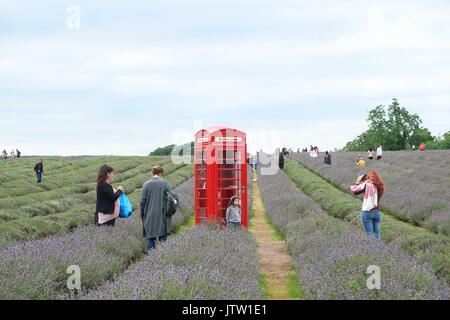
<point>417,183</point>
<point>202,263</point>
<point>331,257</point>
<point>37,269</point>
<point>185,193</point>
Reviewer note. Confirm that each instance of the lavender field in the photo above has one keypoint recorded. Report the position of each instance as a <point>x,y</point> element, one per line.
<point>45,229</point>
<point>202,263</point>
<point>417,183</point>
<point>37,269</point>
<point>34,256</point>
<point>331,256</point>
<point>66,198</point>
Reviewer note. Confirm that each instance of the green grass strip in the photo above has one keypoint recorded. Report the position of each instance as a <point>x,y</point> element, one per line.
<point>294,290</point>
<point>263,285</point>
<point>425,245</point>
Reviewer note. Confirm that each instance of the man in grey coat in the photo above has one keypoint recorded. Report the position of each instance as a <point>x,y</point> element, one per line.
<point>156,224</point>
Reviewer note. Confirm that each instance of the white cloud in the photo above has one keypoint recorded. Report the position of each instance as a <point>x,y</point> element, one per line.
<point>303,57</point>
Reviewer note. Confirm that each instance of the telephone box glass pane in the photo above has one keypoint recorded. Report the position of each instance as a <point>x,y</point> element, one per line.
<point>202,213</point>
<point>202,184</point>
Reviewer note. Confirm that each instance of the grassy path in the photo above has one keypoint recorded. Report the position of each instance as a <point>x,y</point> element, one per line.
<point>275,261</point>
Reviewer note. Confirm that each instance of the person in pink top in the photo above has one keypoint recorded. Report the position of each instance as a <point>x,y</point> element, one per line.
<point>373,189</point>
<point>422,146</point>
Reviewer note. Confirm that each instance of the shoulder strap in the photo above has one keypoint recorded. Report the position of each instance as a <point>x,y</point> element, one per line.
<point>166,186</point>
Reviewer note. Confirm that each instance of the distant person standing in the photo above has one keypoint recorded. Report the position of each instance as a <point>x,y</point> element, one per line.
<point>255,162</point>
<point>13,154</point>
<point>413,148</point>
<point>370,154</point>
<point>156,223</point>
<point>107,207</point>
<point>327,159</point>
<point>379,152</point>
<point>372,187</point>
<point>39,169</point>
<point>19,154</point>
<point>422,147</point>
<point>281,161</point>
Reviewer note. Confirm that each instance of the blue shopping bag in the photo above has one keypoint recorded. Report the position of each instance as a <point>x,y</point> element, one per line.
<point>126,209</point>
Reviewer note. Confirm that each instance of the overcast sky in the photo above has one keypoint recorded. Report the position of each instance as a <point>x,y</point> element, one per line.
<point>141,74</point>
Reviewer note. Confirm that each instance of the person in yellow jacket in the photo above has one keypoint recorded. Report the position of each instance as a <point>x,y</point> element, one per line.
<point>361,162</point>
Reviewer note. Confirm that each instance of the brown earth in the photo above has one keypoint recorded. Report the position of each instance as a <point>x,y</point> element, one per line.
<point>274,259</point>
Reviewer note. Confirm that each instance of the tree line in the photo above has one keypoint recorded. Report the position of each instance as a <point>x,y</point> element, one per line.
<point>395,128</point>
<point>167,150</point>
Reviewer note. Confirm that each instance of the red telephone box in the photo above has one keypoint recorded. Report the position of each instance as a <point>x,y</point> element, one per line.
<point>220,173</point>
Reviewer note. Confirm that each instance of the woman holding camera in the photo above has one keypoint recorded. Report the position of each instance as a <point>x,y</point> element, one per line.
<point>372,187</point>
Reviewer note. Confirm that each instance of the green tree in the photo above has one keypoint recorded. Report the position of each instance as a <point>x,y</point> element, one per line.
<point>163,151</point>
<point>393,127</point>
<point>167,150</point>
<point>440,142</point>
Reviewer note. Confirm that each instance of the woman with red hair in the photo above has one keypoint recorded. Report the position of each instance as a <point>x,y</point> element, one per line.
<point>373,188</point>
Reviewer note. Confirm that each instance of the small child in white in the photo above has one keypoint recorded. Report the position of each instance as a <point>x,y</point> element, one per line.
<point>233,215</point>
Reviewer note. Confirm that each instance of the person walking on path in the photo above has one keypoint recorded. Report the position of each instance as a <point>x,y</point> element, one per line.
<point>379,152</point>
<point>281,161</point>
<point>373,189</point>
<point>39,169</point>
<point>327,159</point>
<point>156,222</point>
<point>255,162</point>
<point>233,215</point>
<point>107,207</point>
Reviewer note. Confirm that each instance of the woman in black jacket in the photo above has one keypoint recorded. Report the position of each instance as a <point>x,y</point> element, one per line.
<point>281,161</point>
<point>106,197</point>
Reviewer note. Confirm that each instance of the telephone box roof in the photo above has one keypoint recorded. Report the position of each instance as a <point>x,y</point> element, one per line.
<point>212,130</point>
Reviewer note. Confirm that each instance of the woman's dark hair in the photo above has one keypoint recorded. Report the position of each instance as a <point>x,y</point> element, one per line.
<point>231,202</point>
<point>102,174</point>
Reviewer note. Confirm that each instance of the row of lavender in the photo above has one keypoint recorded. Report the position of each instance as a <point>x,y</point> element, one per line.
<point>202,263</point>
<point>332,257</point>
<point>417,183</point>
<point>38,269</point>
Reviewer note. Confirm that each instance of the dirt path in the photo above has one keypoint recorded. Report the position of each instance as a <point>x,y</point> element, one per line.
<point>275,262</point>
